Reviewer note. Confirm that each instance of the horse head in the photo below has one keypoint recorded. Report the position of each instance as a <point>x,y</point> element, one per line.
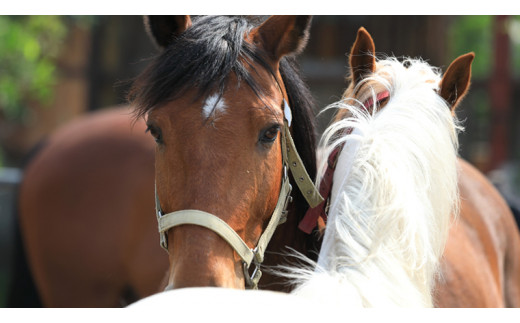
<point>395,181</point>
<point>218,103</point>
<point>367,89</point>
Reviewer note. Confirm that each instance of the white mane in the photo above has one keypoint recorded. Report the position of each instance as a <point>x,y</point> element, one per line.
<point>394,188</point>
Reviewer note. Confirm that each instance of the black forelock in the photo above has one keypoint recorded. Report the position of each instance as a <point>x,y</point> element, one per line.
<point>201,58</point>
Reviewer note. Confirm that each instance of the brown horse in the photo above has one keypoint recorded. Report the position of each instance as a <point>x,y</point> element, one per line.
<point>481,262</point>
<point>219,100</point>
<point>83,208</point>
<point>86,200</point>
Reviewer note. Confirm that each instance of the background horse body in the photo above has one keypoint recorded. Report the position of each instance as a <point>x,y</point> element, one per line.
<point>84,202</point>
<point>481,263</point>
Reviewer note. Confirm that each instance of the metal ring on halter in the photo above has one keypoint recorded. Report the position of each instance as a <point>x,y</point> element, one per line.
<point>251,280</point>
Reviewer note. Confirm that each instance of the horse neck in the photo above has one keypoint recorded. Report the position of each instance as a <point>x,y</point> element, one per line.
<point>395,188</point>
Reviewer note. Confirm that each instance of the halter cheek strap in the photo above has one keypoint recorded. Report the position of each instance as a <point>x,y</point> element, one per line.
<point>290,160</point>
<point>300,175</point>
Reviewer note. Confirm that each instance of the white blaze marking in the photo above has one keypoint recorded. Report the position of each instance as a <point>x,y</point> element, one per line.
<point>213,103</point>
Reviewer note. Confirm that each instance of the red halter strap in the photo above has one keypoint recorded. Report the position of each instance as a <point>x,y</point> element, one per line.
<point>380,97</point>
<point>310,220</point>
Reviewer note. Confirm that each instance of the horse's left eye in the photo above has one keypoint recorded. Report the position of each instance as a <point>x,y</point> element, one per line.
<point>269,135</point>
<point>155,132</point>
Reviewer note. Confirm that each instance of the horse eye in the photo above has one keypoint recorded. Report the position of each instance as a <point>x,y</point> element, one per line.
<point>155,132</point>
<point>269,135</point>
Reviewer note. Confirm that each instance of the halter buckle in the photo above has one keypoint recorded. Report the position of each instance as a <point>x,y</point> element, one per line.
<point>285,213</point>
<point>252,280</point>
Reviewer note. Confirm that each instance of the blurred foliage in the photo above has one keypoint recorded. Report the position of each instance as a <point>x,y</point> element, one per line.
<point>473,34</point>
<point>29,46</point>
<point>514,32</point>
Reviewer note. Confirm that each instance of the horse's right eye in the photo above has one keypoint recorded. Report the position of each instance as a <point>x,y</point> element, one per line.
<point>155,132</point>
<point>269,135</point>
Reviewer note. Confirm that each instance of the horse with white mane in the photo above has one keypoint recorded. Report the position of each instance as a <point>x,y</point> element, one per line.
<point>394,192</point>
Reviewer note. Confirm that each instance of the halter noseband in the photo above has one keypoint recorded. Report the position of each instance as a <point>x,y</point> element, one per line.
<point>290,161</point>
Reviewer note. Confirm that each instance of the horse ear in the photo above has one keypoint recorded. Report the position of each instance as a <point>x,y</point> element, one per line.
<point>282,35</point>
<point>456,80</point>
<point>362,56</point>
<point>164,29</point>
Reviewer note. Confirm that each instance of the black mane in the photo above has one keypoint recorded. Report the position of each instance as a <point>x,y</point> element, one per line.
<point>203,57</point>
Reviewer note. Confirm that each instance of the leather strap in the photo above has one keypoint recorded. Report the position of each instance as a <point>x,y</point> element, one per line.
<point>309,221</point>
<point>211,222</point>
<point>279,216</point>
<point>380,97</point>
<point>300,175</point>
<point>214,223</point>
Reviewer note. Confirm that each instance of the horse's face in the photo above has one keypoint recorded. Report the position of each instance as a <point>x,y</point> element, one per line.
<point>227,163</point>
<point>221,153</point>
